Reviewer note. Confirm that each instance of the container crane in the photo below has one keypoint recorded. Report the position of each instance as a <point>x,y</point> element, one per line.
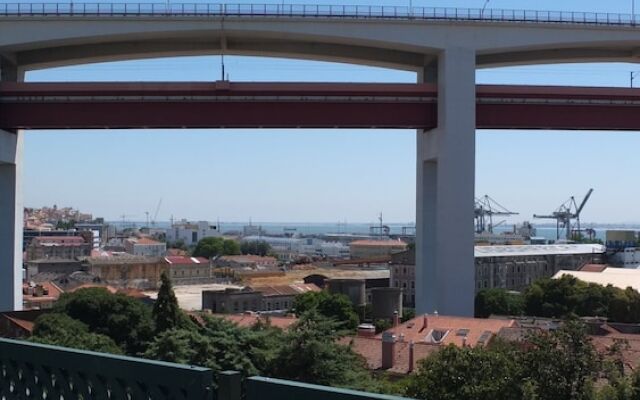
<point>568,211</point>
<point>485,209</point>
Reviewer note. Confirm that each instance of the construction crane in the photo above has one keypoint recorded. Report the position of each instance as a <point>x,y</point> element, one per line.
<point>155,215</point>
<point>485,209</point>
<point>568,211</point>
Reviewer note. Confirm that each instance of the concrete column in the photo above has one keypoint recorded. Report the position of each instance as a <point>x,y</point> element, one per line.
<point>445,191</point>
<point>11,215</point>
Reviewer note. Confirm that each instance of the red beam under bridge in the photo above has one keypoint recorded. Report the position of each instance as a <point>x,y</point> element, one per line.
<point>304,105</point>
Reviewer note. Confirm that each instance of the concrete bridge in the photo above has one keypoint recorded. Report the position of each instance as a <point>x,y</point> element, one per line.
<point>444,47</point>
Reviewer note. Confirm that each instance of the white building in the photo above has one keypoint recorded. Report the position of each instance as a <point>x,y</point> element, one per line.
<point>191,232</point>
<point>145,247</point>
<point>287,247</point>
<point>626,258</point>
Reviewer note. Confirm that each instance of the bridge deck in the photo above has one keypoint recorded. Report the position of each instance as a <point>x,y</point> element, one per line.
<point>305,105</point>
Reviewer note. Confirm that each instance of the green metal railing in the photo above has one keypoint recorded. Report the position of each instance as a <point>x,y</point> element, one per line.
<point>277,389</point>
<point>36,371</point>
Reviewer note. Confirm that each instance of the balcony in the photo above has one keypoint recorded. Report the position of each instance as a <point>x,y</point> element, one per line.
<point>36,371</point>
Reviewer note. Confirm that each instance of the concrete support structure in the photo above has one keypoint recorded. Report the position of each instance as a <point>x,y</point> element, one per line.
<point>11,208</point>
<point>11,214</point>
<point>445,191</point>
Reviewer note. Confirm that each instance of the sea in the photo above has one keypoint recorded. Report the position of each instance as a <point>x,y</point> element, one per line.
<point>317,228</point>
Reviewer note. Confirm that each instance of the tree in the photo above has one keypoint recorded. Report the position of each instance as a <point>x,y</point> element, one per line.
<point>66,225</point>
<point>568,296</point>
<point>166,312</point>
<point>498,302</point>
<point>466,373</point>
<point>215,246</point>
<point>209,247</point>
<point>127,321</point>
<point>62,330</point>
<point>562,364</point>
<point>255,247</point>
<point>219,345</point>
<point>310,354</point>
<point>335,306</point>
<point>231,247</point>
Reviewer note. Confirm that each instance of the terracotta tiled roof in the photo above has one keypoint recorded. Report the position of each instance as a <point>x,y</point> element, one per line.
<point>371,350</point>
<point>594,267</point>
<point>110,289</point>
<point>23,319</point>
<point>143,240</point>
<point>477,331</point>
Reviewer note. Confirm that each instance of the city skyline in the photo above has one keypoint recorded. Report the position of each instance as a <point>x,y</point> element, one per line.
<point>323,175</point>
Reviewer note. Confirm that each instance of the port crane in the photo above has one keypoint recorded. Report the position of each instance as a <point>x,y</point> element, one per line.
<point>568,211</point>
<point>485,209</point>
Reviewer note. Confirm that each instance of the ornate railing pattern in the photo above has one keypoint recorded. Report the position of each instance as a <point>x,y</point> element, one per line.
<point>169,8</point>
<point>35,371</point>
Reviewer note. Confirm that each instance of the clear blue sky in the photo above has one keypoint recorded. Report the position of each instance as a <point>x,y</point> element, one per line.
<point>325,175</point>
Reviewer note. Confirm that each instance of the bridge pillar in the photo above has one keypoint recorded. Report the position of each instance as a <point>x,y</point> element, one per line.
<point>11,207</point>
<point>11,221</point>
<point>445,272</point>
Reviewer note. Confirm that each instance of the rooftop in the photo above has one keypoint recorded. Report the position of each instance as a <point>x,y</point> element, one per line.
<point>538,250</point>
<point>123,259</point>
<point>186,260</point>
<point>286,290</point>
<point>618,277</point>
<point>248,259</point>
<point>144,241</point>
<point>454,330</point>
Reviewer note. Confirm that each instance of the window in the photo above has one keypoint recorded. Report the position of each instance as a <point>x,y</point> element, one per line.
<point>194,237</point>
<point>462,332</point>
<point>413,284</point>
<point>436,336</point>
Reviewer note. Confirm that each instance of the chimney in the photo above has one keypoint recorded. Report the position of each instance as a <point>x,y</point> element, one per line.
<point>410,370</point>
<point>388,349</point>
<point>396,319</point>
<point>425,323</point>
<point>366,330</point>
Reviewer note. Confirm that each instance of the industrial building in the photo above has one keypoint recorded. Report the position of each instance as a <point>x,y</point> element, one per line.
<point>507,267</point>
<point>128,271</point>
<point>258,298</point>
<point>67,247</point>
